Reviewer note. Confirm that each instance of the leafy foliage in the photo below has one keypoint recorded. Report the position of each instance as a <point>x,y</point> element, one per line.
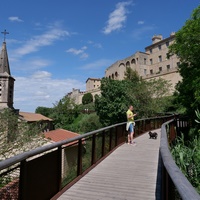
<point>112,103</point>
<point>17,136</point>
<point>85,123</point>
<point>186,153</point>
<point>187,157</point>
<point>89,122</point>
<point>187,47</point>
<point>64,113</point>
<point>148,97</point>
<point>44,111</point>
<point>87,98</point>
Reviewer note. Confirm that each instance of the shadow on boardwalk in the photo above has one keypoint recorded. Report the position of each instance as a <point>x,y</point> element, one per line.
<point>129,173</point>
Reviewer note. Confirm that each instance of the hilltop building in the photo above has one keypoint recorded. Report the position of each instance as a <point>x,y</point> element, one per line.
<point>93,83</point>
<point>151,64</point>
<point>92,86</point>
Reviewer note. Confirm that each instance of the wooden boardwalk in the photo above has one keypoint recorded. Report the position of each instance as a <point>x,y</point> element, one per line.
<point>129,173</point>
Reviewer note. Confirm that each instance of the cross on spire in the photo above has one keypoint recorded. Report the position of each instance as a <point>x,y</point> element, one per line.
<point>5,32</point>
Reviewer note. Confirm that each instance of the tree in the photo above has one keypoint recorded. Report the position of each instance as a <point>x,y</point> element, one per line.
<point>64,112</point>
<point>187,48</point>
<point>89,123</point>
<point>87,98</point>
<point>159,96</point>
<point>132,75</point>
<point>147,98</point>
<point>112,103</point>
<point>17,136</point>
<point>44,111</point>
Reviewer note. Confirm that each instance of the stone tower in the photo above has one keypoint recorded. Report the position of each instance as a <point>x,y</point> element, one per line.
<point>6,81</point>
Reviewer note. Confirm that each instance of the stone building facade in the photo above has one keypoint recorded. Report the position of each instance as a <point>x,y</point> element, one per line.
<point>92,86</point>
<point>151,64</point>
<point>92,83</point>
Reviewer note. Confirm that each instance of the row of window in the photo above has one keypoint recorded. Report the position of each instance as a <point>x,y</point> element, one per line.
<point>113,75</point>
<point>145,61</point>
<point>160,70</point>
<point>168,67</point>
<point>160,47</point>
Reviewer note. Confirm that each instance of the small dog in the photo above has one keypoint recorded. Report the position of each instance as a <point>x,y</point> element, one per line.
<point>152,135</point>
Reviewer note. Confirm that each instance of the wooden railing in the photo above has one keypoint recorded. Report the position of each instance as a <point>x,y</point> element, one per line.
<point>174,184</point>
<point>47,171</point>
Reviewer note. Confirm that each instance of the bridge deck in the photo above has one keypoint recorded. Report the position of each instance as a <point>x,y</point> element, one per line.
<point>129,173</point>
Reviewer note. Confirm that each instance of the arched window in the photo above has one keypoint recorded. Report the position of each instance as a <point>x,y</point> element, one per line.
<point>133,61</point>
<point>121,65</point>
<point>128,64</point>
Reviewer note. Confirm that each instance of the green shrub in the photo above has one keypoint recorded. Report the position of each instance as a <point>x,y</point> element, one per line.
<point>187,158</point>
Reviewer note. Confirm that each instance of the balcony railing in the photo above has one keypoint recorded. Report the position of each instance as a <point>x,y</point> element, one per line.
<point>174,184</point>
<point>46,171</point>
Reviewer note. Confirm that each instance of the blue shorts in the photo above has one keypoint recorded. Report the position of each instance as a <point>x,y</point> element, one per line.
<point>131,128</point>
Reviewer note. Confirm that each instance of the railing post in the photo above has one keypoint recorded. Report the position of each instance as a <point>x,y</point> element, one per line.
<point>22,179</point>
<point>103,144</point>
<point>110,139</point>
<point>93,160</point>
<point>148,124</point>
<point>172,133</point>
<point>59,167</point>
<point>116,136</point>
<point>79,162</point>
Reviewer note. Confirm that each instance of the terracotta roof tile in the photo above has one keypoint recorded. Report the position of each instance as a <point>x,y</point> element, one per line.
<point>33,117</point>
<point>60,134</point>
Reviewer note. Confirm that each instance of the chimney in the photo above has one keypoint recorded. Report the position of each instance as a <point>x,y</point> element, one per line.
<point>156,38</point>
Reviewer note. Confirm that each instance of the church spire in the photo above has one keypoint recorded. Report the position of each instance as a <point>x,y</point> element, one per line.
<point>4,64</point>
<point>6,80</point>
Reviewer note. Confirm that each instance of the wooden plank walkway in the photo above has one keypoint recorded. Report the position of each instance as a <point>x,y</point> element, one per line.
<point>129,173</point>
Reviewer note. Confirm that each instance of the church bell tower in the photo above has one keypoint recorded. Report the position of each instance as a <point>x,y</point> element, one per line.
<point>6,80</point>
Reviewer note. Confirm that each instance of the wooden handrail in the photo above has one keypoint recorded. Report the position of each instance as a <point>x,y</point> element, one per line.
<point>50,155</point>
<point>173,173</point>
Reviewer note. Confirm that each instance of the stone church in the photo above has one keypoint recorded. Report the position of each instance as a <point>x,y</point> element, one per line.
<point>7,93</point>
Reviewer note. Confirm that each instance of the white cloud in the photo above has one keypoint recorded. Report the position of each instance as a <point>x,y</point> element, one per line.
<point>28,65</point>
<point>96,45</point>
<point>102,63</point>
<point>46,39</point>
<point>139,33</point>
<point>117,18</point>
<point>31,92</point>
<point>80,52</point>
<point>15,19</point>
<point>41,75</point>
<point>140,22</point>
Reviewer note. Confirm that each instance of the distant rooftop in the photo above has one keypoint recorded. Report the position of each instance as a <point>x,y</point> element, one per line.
<point>33,117</point>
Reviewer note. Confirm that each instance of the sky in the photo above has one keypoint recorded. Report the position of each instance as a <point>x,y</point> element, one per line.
<point>56,45</point>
